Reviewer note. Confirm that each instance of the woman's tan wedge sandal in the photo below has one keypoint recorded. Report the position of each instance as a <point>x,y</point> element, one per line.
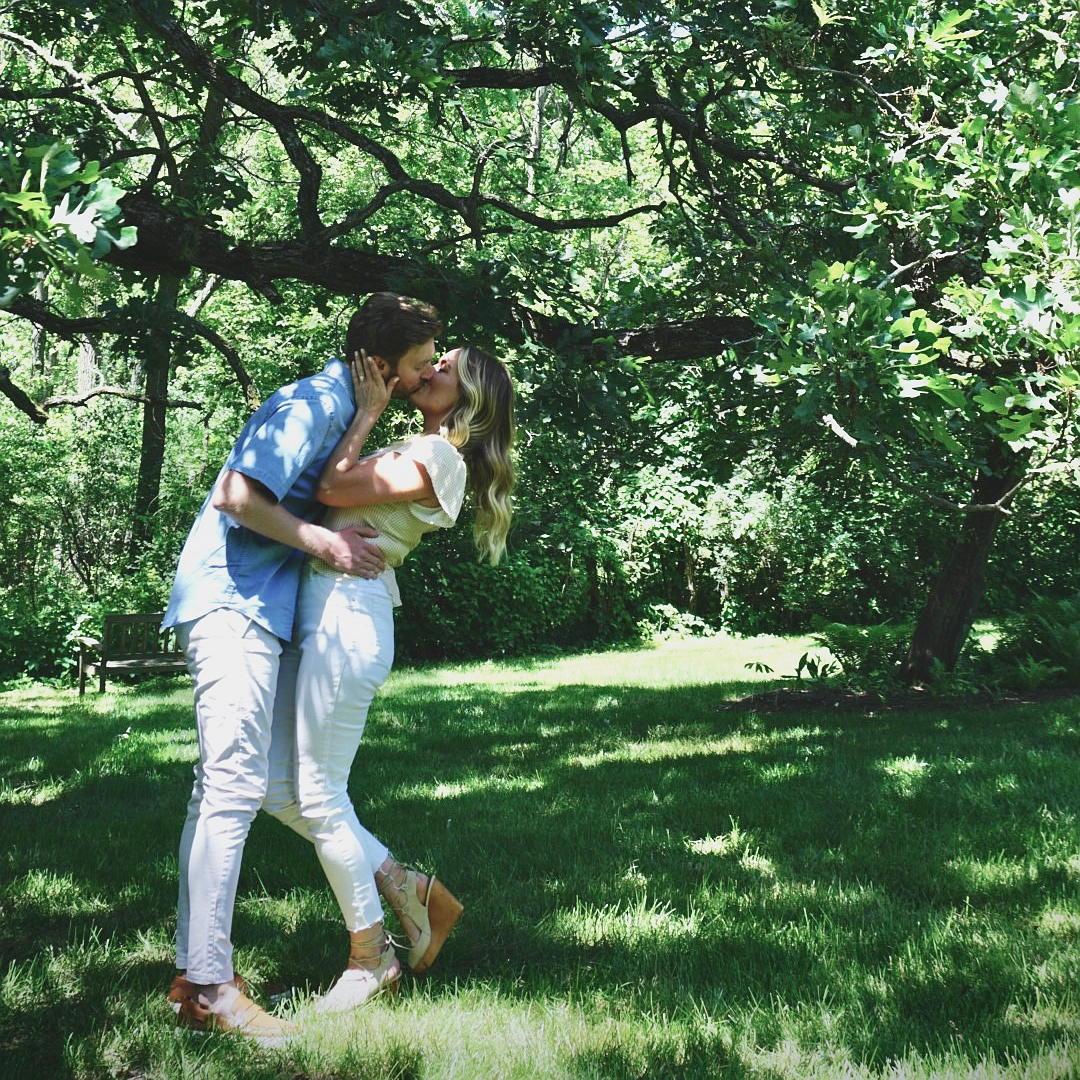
<point>434,916</point>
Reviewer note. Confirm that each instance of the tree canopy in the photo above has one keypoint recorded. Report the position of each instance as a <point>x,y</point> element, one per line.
<point>778,223</point>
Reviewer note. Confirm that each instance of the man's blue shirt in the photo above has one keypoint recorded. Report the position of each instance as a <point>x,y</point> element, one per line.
<point>284,446</point>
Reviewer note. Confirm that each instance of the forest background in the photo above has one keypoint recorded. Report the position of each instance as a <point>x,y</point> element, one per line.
<point>790,291</point>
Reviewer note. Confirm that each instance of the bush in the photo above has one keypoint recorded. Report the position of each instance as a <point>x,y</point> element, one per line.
<point>662,621</point>
<point>867,652</point>
<point>1041,646</point>
<point>559,593</point>
<point>841,548</point>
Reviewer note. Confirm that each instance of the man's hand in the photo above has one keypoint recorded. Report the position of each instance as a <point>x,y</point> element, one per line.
<point>349,552</point>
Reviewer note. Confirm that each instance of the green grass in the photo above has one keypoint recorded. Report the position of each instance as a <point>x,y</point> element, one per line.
<point>653,886</point>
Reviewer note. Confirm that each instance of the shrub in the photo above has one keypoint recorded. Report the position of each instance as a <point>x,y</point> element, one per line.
<point>1042,644</point>
<point>867,652</point>
<point>662,621</point>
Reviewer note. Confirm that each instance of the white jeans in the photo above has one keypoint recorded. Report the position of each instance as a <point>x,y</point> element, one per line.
<point>340,655</point>
<point>234,663</point>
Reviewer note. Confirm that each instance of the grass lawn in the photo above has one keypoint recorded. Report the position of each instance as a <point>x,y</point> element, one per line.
<point>653,887</point>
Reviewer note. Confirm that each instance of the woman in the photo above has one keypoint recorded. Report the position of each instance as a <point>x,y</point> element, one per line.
<point>344,644</point>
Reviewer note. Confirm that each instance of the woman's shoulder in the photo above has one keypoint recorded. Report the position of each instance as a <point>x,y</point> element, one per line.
<point>437,444</point>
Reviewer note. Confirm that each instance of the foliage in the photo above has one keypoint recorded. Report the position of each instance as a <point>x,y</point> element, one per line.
<point>56,214</point>
<point>548,595</point>
<point>956,323</point>
<point>891,200</point>
<point>1042,643</point>
<point>662,621</point>
<point>866,652</point>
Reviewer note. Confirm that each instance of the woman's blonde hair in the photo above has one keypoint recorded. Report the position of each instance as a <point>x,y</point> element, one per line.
<point>481,426</point>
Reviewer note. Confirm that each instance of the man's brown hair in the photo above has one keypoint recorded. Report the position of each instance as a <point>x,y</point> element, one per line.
<point>389,325</point>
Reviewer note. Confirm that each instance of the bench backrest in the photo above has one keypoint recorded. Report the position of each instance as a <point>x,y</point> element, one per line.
<point>137,637</point>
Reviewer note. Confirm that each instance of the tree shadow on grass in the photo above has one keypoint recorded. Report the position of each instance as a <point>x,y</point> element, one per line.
<point>613,841</point>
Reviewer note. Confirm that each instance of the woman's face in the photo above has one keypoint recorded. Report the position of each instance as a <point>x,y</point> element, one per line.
<point>440,393</point>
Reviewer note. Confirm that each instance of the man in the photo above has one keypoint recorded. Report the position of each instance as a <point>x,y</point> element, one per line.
<point>233,603</point>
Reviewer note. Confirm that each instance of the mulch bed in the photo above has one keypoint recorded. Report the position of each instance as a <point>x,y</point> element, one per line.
<point>794,698</point>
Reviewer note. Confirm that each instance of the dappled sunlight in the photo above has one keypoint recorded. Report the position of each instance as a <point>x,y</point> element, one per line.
<point>906,775</point>
<point>985,875</point>
<point>1059,922</point>
<point>668,749</point>
<point>623,851</point>
<point>31,794</point>
<point>694,662</point>
<point>635,922</point>
<point>50,894</point>
<point>1056,1020</point>
<point>478,785</point>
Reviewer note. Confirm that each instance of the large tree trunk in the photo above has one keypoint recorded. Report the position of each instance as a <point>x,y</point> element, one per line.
<point>152,452</point>
<point>950,610</point>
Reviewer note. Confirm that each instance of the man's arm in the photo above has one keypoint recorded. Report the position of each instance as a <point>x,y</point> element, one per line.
<point>250,504</point>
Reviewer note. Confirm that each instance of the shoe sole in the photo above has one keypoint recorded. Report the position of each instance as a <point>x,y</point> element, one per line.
<point>267,1042</point>
<point>444,910</point>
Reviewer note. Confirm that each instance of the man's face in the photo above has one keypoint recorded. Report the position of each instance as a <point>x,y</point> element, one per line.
<point>413,369</point>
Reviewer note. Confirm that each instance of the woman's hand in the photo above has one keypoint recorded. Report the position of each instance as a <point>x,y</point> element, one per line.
<point>372,391</point>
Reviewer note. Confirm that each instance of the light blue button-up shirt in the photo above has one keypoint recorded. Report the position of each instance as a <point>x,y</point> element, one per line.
<point>284,446</point>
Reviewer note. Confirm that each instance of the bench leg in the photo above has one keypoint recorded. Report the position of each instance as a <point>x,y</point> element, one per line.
<point>101,678</point>
<point>82,675</point>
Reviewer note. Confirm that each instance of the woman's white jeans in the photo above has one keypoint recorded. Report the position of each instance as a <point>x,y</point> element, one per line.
<point>234,663</point>
<point>340,656</point>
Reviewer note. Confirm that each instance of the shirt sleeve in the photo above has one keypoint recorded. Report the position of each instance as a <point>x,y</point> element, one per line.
<point>446,468</point>
<point>278,445</point>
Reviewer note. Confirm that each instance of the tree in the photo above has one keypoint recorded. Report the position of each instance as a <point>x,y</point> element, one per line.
<point>600,186</point>
<point>944,344</point>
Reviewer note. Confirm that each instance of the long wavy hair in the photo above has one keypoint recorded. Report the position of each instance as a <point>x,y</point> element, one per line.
<point>481,426</point>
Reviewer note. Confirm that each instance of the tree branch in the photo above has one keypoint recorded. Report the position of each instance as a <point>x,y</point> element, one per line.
<point>78,80</point>
<point>19,397</point>
<point>38,313</point>
<point>232,357</point>
<point>283,120</point>
<point>79,400</point>
<point>647,108</point>
<point>350,272</point>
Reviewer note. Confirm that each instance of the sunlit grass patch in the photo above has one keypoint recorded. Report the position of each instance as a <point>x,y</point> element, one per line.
<point>657,750</point>
<point>49,893</point>
<point>654,886</point>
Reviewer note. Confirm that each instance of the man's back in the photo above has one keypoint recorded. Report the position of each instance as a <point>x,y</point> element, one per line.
<point>283,446</point>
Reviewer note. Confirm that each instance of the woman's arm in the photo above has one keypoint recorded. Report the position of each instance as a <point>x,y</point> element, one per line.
<point>386,478</point>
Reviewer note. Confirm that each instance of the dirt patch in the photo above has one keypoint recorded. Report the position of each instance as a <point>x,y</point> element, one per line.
<point>792,699</point>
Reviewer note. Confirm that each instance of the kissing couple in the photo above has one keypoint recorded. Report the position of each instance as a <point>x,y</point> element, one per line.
<point>283,604</point>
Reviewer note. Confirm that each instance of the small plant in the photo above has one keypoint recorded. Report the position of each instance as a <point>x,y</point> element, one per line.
<point>1041,646</point>
<point>814,669</point>
<point>758,666</point>
<point>1027,673</point>
<point>664,621</point>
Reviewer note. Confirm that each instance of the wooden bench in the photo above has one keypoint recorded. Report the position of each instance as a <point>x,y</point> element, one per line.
<point>130,644</point>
